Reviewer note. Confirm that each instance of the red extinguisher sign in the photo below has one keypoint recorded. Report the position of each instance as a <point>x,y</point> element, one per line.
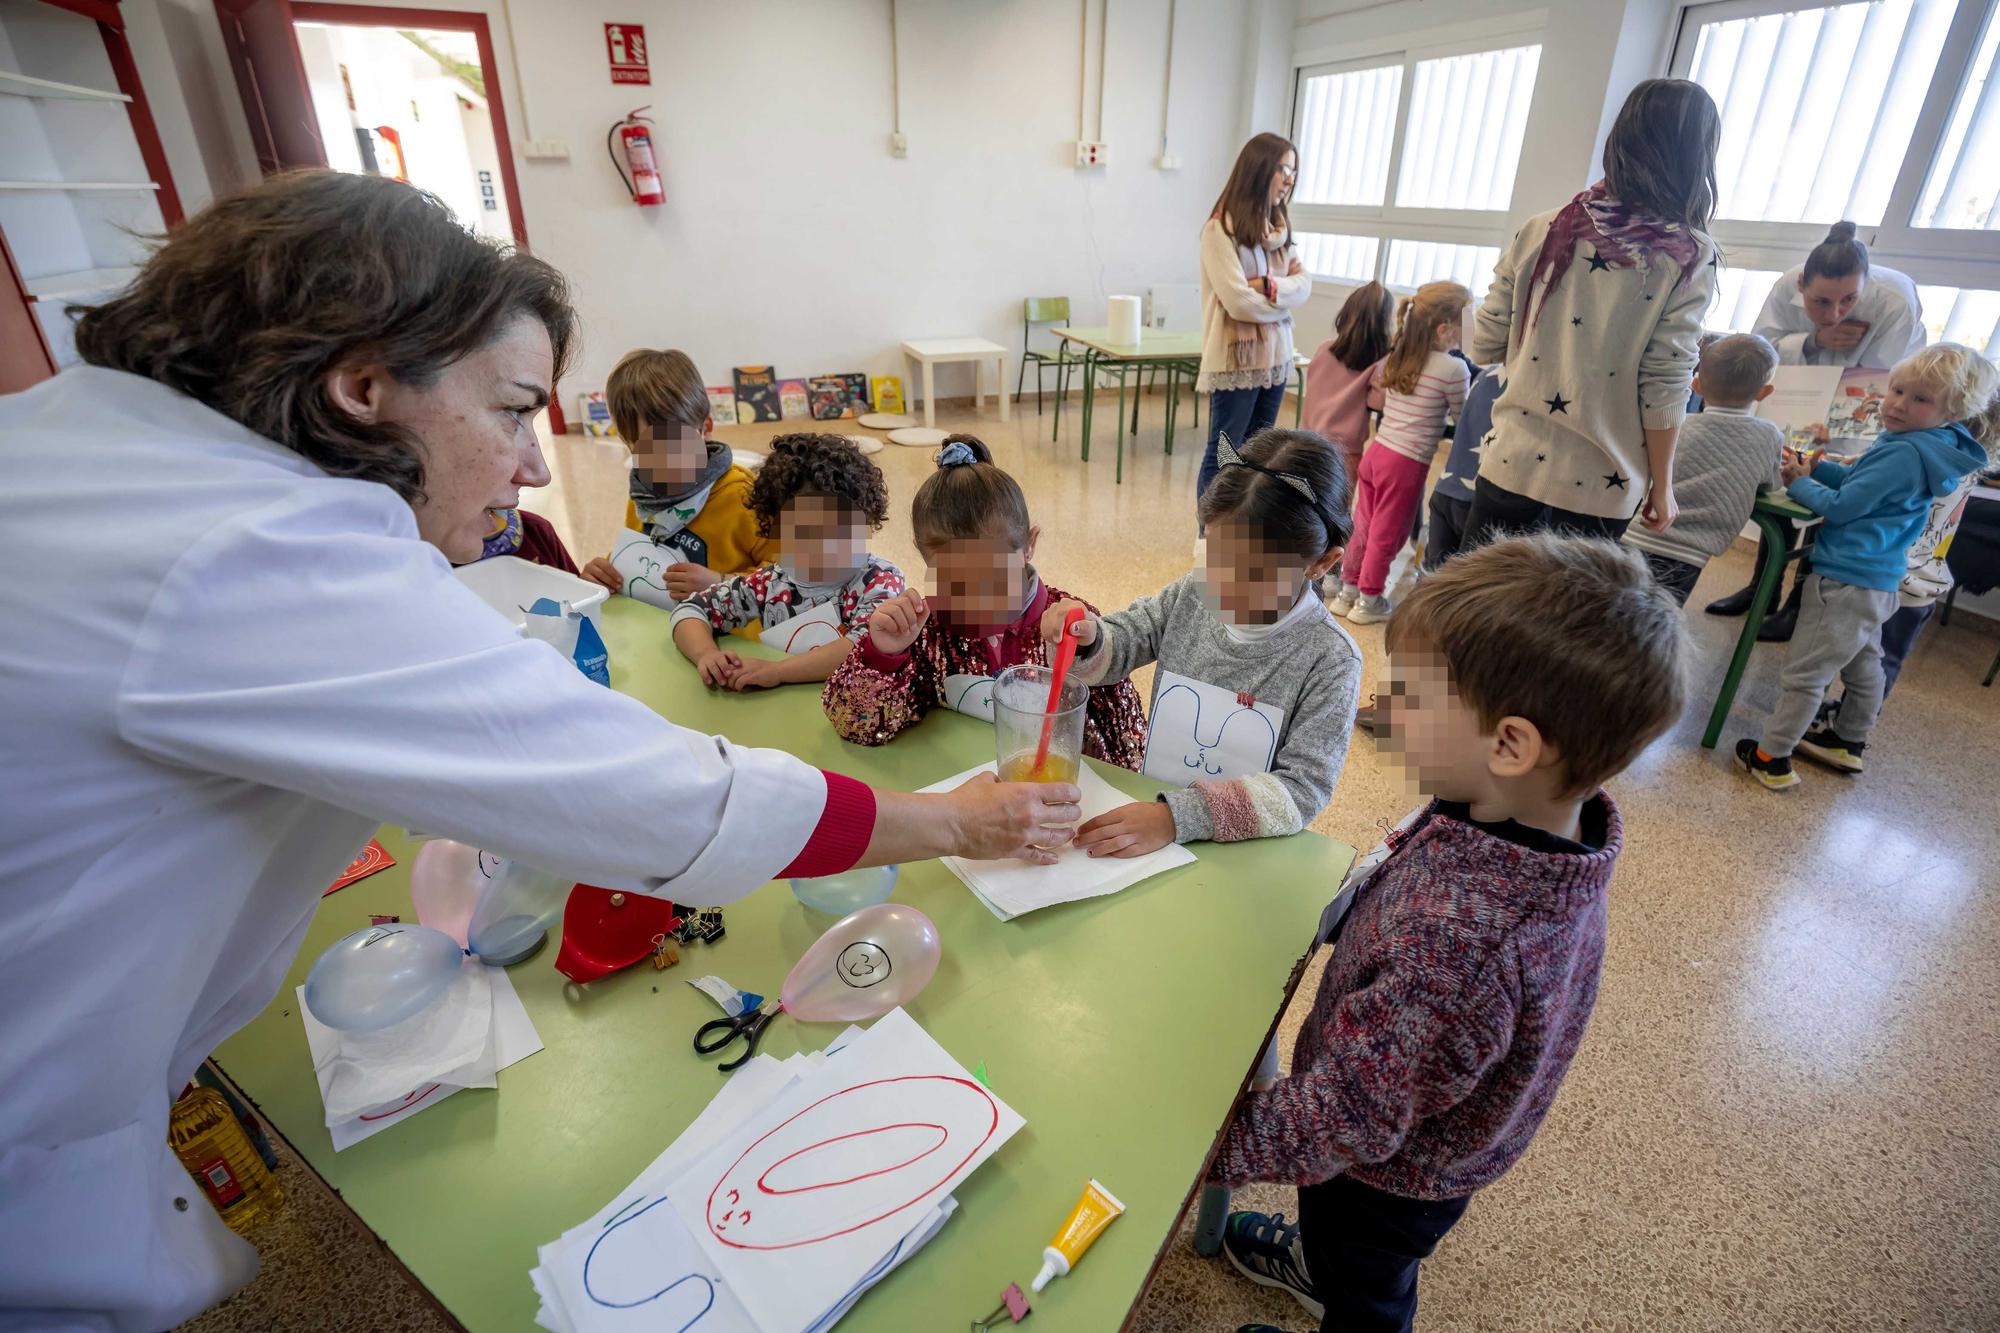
<point>625,45</point>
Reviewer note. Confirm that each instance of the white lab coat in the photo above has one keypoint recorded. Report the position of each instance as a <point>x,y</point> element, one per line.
<point>222,669</point>
<point>1888,302</point>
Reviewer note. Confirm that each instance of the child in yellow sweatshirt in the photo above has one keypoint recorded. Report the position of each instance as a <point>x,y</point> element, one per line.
<point>687,494</point>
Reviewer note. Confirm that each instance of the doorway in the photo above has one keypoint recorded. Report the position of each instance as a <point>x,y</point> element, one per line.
<point>412,94</point>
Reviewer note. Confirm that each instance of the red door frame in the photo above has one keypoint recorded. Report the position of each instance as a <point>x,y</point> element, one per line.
<point>386,16</point>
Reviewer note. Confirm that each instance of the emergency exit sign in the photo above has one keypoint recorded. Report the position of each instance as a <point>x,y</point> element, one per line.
<point>625,44</point>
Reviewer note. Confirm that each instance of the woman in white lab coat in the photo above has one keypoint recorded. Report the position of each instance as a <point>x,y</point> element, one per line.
<point>1836,309</point>
<point>234,647</point>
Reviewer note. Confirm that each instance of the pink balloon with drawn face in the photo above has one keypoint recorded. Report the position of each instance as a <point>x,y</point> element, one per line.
<point>854,1158</point>
<point>445,883</point>
<point>866,964</point>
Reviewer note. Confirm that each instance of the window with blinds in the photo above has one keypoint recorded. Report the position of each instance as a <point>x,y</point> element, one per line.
<point>1882,112</point>
<point>1407,162</point>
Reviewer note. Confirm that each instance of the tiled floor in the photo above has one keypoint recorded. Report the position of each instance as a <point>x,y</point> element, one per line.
<point>1786,1114</point>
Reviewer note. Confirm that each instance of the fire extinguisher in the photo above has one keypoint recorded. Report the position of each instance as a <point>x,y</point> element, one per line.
<point>638,170</point>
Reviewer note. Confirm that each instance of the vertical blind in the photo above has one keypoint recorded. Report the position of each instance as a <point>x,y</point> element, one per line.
<point>1468,114</point>
<point>1818,105</point>
<point>1347,124</point>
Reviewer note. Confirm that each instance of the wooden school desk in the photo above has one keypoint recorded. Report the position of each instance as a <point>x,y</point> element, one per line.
<point>1121,1028</point>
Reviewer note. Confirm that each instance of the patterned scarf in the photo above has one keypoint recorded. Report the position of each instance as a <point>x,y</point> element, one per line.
<point>1622,239</point>
<point>662,513</point>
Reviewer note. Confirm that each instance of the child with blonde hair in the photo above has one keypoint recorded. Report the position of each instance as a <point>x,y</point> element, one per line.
<point>1418,385</point>
<point>1940,419</point>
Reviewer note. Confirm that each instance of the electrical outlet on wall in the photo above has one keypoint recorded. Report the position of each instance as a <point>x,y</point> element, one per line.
<point>545,149</point>
<point>1167,162</point>
<point>1089,153</point>
<point>899,145</point>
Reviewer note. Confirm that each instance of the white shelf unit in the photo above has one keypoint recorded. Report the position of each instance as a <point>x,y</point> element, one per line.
<point>76,196</point>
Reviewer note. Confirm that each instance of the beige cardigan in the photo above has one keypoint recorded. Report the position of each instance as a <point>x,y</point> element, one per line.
<point>1226,294</point>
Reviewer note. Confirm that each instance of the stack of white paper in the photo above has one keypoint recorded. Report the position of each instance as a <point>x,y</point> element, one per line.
<point>1009,888</point>
<point>369,1081</point>
<point>803,1183</point>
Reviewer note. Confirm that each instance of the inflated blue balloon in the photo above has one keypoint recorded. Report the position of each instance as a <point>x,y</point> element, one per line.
<point>381,975</point>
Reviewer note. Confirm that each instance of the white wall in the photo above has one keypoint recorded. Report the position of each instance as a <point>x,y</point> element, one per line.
<point>791,235</point>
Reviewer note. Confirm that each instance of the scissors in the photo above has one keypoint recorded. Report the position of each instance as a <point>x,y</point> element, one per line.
<point>717,1033</point>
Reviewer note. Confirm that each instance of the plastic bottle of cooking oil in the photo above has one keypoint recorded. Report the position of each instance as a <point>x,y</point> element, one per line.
<point>204,1134</point>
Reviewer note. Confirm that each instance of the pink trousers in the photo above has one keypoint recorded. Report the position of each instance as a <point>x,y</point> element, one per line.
<point>1386,496</point>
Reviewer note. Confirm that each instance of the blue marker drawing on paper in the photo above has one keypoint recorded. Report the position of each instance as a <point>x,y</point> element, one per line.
<point>633,1262</point>
<point>1200,732</point>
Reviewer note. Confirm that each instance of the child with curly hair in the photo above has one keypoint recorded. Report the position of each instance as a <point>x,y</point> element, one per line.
<point>820,499</point>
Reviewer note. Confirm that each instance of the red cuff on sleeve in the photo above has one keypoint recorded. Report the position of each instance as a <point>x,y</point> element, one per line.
<point>876,660</point>
<point>843,831</point>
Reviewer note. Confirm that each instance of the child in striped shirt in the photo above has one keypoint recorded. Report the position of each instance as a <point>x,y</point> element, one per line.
<point>1420,384</point>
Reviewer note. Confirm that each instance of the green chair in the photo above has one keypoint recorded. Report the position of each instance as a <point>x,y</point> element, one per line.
<point>1043,310</point>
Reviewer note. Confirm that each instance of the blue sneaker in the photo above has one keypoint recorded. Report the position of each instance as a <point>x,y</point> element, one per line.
<point>1265,1248</point>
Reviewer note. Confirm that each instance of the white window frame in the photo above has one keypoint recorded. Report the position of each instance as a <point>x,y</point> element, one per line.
<point>1388,222</point>
<point>1932,256</point>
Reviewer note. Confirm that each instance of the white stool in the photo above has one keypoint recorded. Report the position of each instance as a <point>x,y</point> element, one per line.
<point>929,352</point>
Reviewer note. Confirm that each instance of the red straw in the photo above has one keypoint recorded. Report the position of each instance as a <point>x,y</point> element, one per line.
<point>1065,654</point>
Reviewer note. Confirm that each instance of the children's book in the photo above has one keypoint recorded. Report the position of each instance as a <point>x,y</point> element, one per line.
<point>722,404</point>
<point>888,391</point>
<point>828,397</point>
<point>1856,413</point>
<point>756,394</point>
<point>857,393</point>
<point>792,400</point>
<point>594,414</point>
<point>1799,401</point>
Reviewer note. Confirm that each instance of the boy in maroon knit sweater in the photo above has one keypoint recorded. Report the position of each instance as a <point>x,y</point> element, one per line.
<point>1466,948</point>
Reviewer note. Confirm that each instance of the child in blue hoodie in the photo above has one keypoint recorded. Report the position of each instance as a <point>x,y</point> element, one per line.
<point>1941,415</point>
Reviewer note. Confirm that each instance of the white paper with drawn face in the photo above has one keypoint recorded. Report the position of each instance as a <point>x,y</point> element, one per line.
<point>803,1202</point>
<point>642,563</point>
<point>1203,733</point>
<point>972,695</point>
<point>803,633</point>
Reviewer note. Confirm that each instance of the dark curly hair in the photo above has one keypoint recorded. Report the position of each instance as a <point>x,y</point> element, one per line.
<point>250,304</point>
<point>817,464</point>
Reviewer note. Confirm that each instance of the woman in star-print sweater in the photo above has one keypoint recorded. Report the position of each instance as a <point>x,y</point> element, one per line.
<point>1596,311</point>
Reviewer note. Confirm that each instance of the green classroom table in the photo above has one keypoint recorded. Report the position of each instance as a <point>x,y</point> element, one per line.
<point>1768,514</point>
<point>1121,1028</point>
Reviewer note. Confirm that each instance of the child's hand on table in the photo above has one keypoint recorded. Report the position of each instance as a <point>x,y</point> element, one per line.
<point>685,580</point>
<point>1794,465</point>
<point>1130,830</point>
<point>898,621</point>
<point>601,571</point>
<point>1052,623</point>
<point>756,674</point>
<point>719,666</point>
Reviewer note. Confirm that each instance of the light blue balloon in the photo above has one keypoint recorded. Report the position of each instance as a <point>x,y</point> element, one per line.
<point>849,891</point>
<point>517,905</point>
<point>381,975</point>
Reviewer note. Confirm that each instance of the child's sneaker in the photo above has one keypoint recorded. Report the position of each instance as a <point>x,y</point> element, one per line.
<point>1824,746</point>
<point>1343,601</point>
<point>1265,1248</point>
<point>1773,773</point>
<point>1369,610</point>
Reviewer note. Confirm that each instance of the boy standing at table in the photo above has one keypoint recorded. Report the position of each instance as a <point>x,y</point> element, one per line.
<point>1521,676</point>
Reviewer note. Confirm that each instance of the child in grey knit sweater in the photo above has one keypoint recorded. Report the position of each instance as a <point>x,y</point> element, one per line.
<point>1724,456</point>
<point>1253,698</point>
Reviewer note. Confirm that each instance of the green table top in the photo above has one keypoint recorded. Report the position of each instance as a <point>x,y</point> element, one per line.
<point>1121,1028</point>
<point>1783,506</point>
<point>1153,344</point>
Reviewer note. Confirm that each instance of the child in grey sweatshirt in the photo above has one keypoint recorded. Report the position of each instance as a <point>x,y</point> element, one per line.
<point>1254,695</point>
<point>1725,455</point>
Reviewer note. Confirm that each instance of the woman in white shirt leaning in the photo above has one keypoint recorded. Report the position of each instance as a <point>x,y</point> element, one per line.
<point>237,647</point>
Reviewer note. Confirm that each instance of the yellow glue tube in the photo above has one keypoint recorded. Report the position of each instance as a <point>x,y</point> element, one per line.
<point>1093,1213</point>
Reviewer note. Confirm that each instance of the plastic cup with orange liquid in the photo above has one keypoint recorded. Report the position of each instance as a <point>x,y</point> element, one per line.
<point>1020,714</point>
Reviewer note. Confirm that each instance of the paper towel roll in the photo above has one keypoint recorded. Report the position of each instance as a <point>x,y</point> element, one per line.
<point>1123,318</point>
